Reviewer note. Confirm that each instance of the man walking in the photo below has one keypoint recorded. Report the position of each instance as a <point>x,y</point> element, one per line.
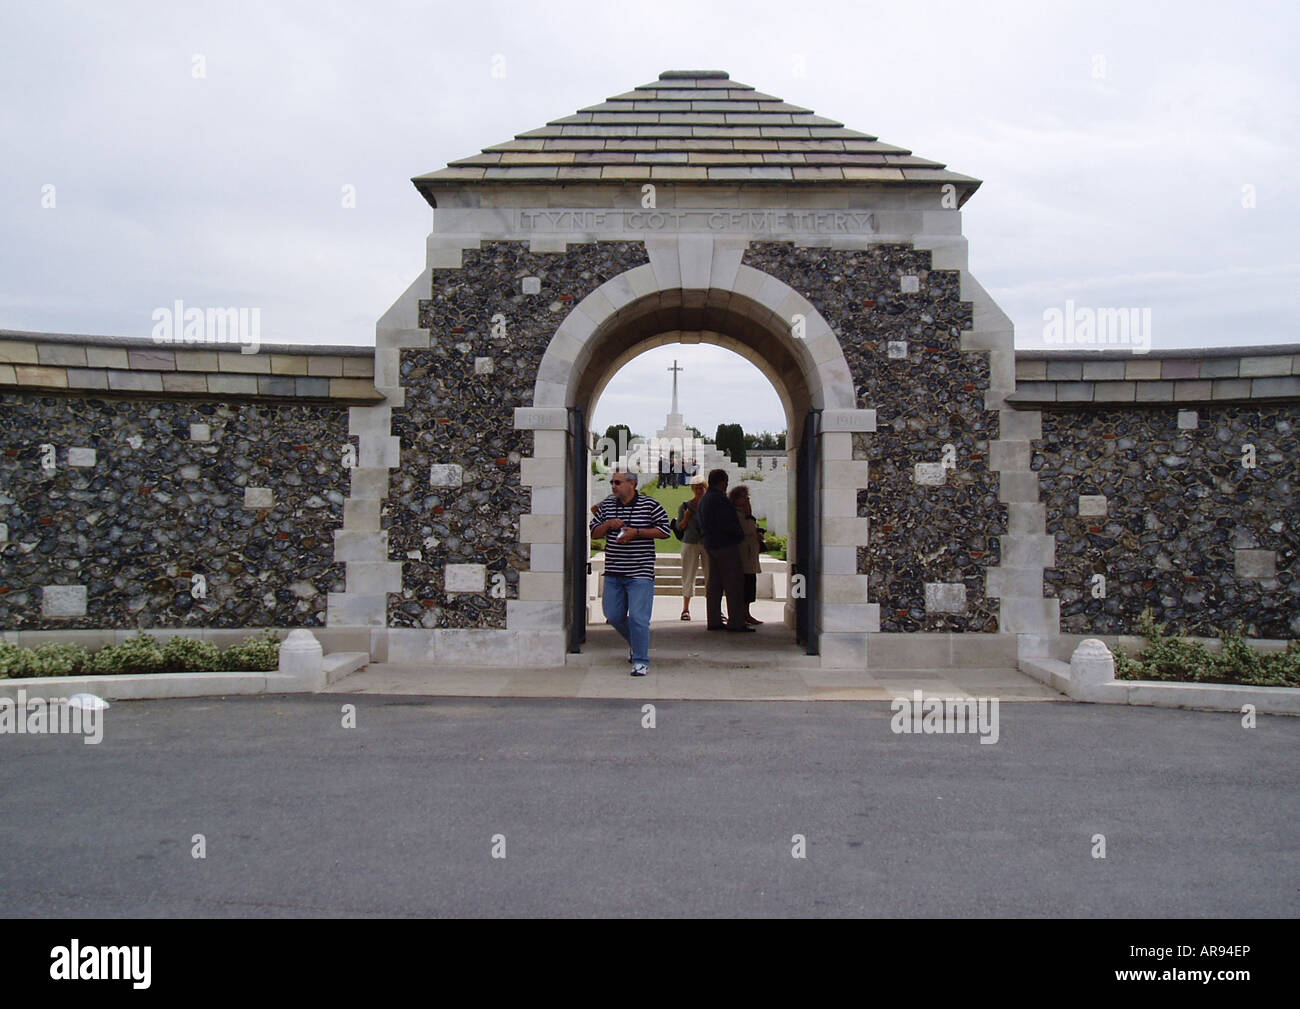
<point>722,532</point>
<point>637,520</point>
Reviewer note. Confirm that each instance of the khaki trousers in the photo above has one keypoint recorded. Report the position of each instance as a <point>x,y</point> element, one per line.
<point>693,557</point>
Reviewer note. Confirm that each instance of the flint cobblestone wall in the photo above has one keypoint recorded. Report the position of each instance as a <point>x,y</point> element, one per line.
<point>143,494</point>
<point>899,323</point>
<point>1162,504</point>
<point>461,394</point>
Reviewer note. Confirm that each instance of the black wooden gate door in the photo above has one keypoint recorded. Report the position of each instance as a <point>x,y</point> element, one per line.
<point>808,527</point>
<point>579,548</point>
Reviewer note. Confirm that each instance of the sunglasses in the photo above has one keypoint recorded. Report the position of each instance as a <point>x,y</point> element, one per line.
<point>615,483</point>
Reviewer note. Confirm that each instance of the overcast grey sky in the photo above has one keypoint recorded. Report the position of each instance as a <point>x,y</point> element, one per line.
<point>1115,141</point>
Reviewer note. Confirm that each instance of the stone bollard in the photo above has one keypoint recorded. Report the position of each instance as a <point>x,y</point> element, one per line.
<point>1092,670</point>
<point>302,657</point>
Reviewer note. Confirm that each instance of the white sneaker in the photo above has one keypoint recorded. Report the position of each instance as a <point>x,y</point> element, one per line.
<point>640,670</point>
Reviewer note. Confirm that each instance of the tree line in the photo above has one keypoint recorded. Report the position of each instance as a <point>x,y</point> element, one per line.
<point>729,438</point>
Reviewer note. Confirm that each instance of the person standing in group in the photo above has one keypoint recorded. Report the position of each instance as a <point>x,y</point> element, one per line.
<point>750,549</point>
<point>722,533</point>
<point>637,520</point>
<point>693,552</point>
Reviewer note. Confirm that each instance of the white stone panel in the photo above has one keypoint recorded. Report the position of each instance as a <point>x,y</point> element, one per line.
<point>63,601</point>
<point>930,474</point>
<point>259,497</point>
<point>1255,563</point>
<point>465,578</point>
<point>541,418</point>
<point>445,475</point>
<point>945,597</point>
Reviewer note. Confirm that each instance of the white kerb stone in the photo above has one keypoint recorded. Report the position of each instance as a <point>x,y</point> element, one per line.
<point>63,601</point>
<point>1092,505</point>
<point>532,285</point>
<point>909,284</point>
<point>258,497</point>
<point>200,432</point>
<point>81,457</point>
<point>465,578</point>
<point>930,473</point>
<point>1187,420</point>
<point>897,349</point>
<point>445,475</point>
<point>945,597</point>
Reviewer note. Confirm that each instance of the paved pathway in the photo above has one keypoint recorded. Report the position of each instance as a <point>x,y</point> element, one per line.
<point>691,663</point>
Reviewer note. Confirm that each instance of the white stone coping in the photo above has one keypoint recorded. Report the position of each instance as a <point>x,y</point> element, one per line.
<point>1115,377</point>
<point>146,343</point>
<point>145,686</point>
<point>1163,694</point>
<point>125,366</point>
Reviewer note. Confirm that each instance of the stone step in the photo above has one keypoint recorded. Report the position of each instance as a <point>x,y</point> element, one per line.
<point>339,664</point>
<point>714,651</point>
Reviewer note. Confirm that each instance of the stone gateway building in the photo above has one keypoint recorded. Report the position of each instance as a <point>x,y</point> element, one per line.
<point>425,499</point>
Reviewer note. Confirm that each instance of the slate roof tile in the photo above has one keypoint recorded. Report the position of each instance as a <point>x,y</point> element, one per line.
<point>693,125</point>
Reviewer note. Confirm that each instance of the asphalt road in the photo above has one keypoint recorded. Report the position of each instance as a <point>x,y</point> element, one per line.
<point>396,817</point>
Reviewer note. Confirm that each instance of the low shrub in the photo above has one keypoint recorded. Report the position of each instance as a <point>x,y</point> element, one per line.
<point>43,660</point>
<point>139,654</point>
<point>775,545</point>
<point>1172,658</point>
<point>256,654</point>
<point>190,655</point>
<point>142,653</point>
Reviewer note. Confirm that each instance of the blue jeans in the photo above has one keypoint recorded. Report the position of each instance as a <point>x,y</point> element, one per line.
<point>627,603</point>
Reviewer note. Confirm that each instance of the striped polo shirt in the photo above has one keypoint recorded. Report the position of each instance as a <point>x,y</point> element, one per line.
<point>635,559</point>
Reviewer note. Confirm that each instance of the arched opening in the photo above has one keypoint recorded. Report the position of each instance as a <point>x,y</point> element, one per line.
<point>744,326</point>
<point>674,442</point>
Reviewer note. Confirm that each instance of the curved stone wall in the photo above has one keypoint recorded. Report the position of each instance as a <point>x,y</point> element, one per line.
<point>1189,511</point>
<point>111,507</point>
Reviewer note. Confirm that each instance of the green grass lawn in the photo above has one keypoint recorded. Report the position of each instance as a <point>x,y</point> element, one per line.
<point>671,498</point>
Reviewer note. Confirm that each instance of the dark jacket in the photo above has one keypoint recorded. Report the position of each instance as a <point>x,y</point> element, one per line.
<point>718,521</point>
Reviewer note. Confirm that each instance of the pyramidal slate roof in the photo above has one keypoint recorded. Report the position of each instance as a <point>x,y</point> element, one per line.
<point>693,126</point>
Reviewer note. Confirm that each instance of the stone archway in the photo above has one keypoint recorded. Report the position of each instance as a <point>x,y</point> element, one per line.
<point>697,284</point>
<point>868,232</point>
